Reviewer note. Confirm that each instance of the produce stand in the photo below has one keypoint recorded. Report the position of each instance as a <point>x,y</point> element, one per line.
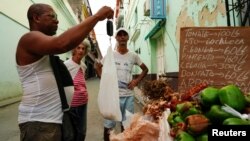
<point>213,88</point>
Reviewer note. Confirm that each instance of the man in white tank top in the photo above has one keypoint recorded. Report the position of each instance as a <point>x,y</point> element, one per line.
<point>40,111</point>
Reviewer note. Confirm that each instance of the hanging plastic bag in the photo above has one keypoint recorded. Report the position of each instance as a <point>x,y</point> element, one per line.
<point>108,96</point>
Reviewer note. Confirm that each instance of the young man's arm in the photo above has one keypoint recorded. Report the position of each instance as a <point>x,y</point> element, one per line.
<point>136,81</point>
<point>98,69</point>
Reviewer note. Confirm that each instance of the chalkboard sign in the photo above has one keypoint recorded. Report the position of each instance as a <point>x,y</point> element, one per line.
<point>217,56</point>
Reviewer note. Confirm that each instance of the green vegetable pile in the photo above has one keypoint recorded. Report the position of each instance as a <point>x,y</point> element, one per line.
<point>190,120</point>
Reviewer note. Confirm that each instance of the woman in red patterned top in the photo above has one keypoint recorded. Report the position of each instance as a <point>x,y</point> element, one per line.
<point>77,68</point>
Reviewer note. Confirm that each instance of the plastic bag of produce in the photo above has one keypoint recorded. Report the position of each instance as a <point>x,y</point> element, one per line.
<point>108,96</point>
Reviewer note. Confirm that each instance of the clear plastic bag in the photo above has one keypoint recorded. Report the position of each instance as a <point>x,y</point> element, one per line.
<point>108,96</point>
<point>126,122</point>
<point>165,127</point>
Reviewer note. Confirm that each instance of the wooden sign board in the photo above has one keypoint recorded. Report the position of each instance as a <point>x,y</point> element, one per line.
<point>217,56</point>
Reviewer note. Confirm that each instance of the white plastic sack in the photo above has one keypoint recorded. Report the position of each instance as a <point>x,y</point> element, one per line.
<point>126,122</point>
<point>165,127</point>
<point>108,96</point>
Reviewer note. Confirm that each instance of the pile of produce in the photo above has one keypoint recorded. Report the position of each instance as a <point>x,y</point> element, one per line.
<point>157,89</point>
<point>162,96</point>
<point>196,109</point>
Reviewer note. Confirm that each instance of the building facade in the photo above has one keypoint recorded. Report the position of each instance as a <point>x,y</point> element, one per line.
<point>154,27</point>
<point>14,23</point>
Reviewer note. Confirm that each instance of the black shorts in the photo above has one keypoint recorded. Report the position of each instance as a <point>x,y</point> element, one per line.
<point>40,131</point>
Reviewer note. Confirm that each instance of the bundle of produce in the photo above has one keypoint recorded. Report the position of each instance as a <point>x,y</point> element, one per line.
<point>162,96</point>
<point>189,95</point>
<point>193,91</point>
<point>157,89</point>
<point>155,108</point>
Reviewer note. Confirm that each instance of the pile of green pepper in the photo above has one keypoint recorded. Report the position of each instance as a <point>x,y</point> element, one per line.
<point>230,95</point>
<point>190,119</point>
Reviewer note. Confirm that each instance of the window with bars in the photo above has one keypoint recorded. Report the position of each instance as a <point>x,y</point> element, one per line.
<point>238,12</point>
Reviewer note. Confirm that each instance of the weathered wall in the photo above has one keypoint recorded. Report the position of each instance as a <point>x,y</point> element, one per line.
<point>13,25</point>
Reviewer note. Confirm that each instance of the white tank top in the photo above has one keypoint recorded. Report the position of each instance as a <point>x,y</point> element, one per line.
<point>40,100</point>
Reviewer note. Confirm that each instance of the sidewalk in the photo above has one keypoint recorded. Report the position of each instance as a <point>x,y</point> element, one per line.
<point>94,123</point>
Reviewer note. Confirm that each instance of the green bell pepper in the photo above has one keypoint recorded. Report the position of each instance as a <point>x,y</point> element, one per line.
<point>174,118</point>
<point>171,118</point>
<point>191,111</point>
<point>235,121</point>
<point>183,136</point>
<point>217,115</point>
<point>178,119</point>
<point>233,97</point>
<point>209,96</point>
<point>202,137</point>
<point>182,107</point>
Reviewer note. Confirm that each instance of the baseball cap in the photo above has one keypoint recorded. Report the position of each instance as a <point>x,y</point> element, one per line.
<point>121,29</point>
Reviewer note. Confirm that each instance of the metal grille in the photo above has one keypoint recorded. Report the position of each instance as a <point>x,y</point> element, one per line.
<point>238,12</point>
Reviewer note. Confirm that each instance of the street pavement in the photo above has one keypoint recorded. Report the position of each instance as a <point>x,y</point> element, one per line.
<point>94,120</point>
<point>9,130</point>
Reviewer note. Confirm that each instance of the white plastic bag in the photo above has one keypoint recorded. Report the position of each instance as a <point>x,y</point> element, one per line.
<point>108,96</point>
<point>126,122</point>
<point>165,127</point>
<point>232,111</point>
